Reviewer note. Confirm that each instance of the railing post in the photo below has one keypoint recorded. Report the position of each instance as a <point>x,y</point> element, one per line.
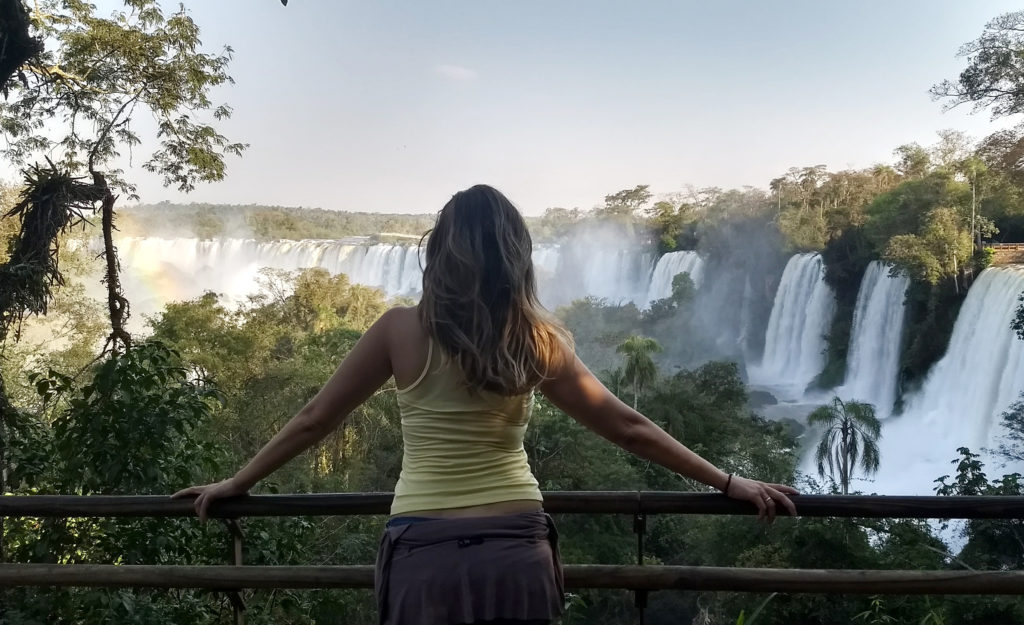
<point>640,529</point>
<point>235,596</point>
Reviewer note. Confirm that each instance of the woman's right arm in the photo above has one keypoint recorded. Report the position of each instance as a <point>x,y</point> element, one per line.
<point>578,393</point>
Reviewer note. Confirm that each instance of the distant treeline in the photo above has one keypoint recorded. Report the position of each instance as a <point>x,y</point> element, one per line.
<point>208,221</point>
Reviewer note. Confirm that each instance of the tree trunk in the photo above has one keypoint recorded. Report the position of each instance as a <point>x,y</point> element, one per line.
<point>5,408</point>
<point>974,204</point>
<point>116,302</point>
<point>636,393</point>
<point>16,44</point>
<point>844,464</point>
<point>956,274</point>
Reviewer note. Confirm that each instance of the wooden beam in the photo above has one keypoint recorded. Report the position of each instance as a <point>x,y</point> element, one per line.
<point>561,502</point>
<point>631,577</point>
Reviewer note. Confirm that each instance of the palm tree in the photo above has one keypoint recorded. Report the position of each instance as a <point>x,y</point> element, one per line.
<point>851,436</point>
<point>614,379</point>
<point>640,370</point>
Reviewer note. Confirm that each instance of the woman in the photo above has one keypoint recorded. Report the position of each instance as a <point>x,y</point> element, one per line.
<point>468,540</point>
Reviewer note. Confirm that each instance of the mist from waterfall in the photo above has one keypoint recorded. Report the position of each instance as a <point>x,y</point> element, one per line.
<point>872,365</point>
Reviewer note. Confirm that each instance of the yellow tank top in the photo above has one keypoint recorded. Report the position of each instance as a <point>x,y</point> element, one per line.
<point>460,450</point>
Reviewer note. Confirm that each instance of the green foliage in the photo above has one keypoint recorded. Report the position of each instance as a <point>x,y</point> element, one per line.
<point>1017,324</point>
<point>930,316</point>
<point>80,94</point>
<point>673,225</point>
<point>876,614</point>
<point>904,209</point>
<point>639,369</point>
<point>846,258</point>
<point>994,76</point>
<point>941,249</point>
<point>992,544</point>
<point>850,436</point>
<point>625,204</point>
<point>260,222</point>
<point>132,429</point>
<point>556,223</point>
<point>1012,445</point>
<point>706,408</point>
<point>912,161</point>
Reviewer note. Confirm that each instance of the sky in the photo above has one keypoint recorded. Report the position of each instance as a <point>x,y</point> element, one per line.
<point>393,106</point>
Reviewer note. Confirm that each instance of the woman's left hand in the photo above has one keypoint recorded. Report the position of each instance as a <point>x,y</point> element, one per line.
<point>205,495</point>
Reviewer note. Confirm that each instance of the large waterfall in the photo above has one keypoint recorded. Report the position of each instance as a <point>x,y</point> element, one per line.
<point>800,319</point>
<point>965,393</point>
<point>157,271</point>
<point>669,265</point>
<point>872,363</point>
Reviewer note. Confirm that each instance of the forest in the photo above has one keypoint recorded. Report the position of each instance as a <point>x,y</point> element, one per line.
<point>89,408</point>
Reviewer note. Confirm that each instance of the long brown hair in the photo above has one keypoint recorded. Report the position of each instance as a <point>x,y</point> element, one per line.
<point>480,295</point>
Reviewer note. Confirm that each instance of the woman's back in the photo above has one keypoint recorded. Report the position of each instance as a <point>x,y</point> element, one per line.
<point>461,449</point>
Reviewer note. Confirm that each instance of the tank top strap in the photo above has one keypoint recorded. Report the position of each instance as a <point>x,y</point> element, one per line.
<point>426,366</point>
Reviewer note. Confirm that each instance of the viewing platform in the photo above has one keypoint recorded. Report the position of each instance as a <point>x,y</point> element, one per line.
<point>233,577</point>
<point>1007,253</point>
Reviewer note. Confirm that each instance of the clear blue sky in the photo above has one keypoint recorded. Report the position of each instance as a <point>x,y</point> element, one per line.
<point>392,106</point>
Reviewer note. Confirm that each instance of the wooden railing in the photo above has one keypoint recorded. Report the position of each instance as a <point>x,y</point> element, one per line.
<point>639,578</point>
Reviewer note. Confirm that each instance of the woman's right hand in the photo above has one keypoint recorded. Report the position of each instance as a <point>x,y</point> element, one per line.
<point>765,496</point>
<point>205,495</point>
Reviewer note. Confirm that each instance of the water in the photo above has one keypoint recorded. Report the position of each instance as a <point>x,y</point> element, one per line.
<point>157,271</point>
<point>795,339</point>
<point>959,404</point>
<point>668,266</point>
<point>873,360</point>
<point>964,395</point>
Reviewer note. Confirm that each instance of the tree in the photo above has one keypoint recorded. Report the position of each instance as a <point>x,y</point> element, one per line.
<point>17,45</point>
<point>639,368</point>
<point>938,250</point>
<point>974,169</point>
<point>626,203</point>
<point>951,149</point>
<point>913,161</point>
<point>668,221</point>
<point>884,176</point>
<point>68,118</point>
<point>1017,325</point>
<point>557,222</point>
<point>851,436</point>
<point>994,76</point>
<point>75,105</point>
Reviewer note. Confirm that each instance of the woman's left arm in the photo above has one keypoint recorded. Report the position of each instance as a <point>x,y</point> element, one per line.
<point>366,368</point>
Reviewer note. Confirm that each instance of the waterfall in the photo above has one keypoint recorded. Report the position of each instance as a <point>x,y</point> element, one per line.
<point>157,271</point>
<point>965,393</point>
<point>799,321</point>
<point>668,266</point>
<point>872,365</point>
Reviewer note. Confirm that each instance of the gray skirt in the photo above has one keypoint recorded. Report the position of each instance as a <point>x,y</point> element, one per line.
<point>452,571</point>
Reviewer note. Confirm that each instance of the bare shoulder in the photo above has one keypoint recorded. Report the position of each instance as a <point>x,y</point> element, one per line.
<point>407,343</point>
<point>403,322</point>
